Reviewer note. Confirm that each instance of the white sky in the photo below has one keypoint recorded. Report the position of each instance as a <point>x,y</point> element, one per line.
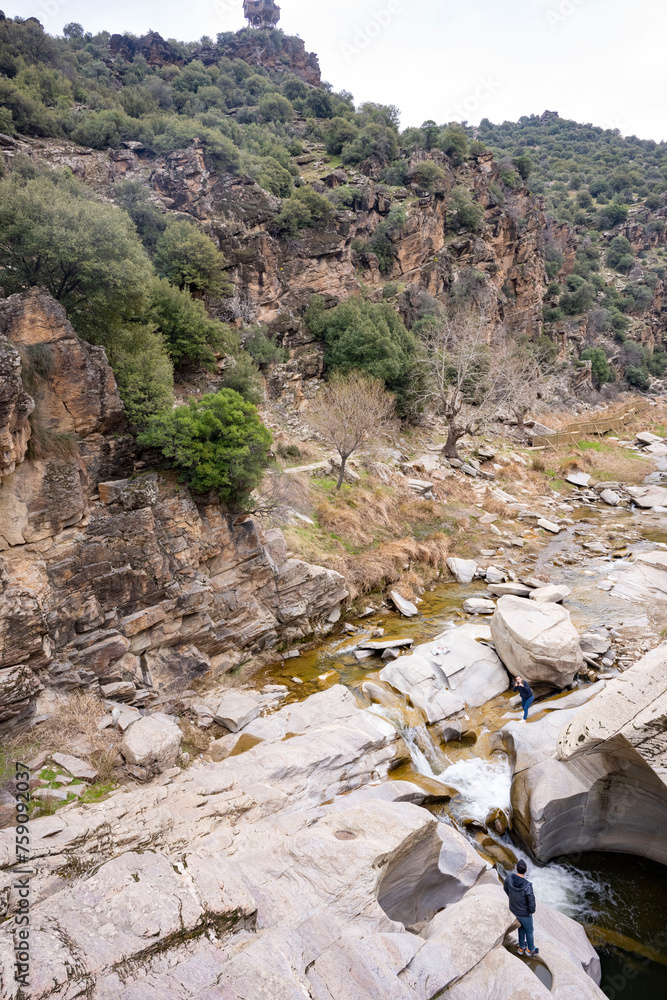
<point>599,61</point>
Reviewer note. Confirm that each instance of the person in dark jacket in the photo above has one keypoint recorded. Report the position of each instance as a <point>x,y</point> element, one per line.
<point>526,692</point>
<point>522,905</point>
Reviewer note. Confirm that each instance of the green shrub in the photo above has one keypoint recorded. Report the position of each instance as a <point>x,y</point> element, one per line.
<point>55,234</point>
<point>374,140</point>
<point>463,213</point>
<point>382,243</point>
<point>338,132</point>
<point>306,208</point>
<point>262,349</point>
<point>275,108</point>
<point>242,375</point>
<point>602,370</point>
<point>454,142</point>
<point>143,371</point>
<point>428,175</point>
<point>218,443</point>
<point>189,332</point>
<point>657,363</point>
<point>524,165</point>
<point>189,259</point>
<point>637,378</point>
<point>365,336</point>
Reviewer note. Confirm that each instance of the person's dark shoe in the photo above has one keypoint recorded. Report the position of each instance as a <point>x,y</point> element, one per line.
<point>532,954</point>
<point>521,951</point>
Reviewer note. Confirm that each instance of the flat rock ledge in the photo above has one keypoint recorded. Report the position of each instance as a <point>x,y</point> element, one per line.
<point>291,870</point>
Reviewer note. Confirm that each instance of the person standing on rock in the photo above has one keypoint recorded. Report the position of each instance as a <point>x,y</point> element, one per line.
<point>526,692</point>
<point>522,905</point>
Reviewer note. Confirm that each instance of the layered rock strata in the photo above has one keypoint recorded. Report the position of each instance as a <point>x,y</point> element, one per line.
<point>149,589</point>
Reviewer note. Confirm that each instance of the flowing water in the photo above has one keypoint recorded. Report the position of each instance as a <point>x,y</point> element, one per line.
<point>620,899</point>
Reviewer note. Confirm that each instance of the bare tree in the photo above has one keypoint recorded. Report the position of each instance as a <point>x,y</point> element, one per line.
<point>523,378</point>
<point>351,411</point>
<point>462,381</point>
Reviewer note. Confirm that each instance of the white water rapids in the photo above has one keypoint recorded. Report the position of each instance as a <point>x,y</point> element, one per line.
<point>483,785</point>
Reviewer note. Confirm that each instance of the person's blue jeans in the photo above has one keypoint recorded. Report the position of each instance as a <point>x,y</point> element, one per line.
<point>526,705</point>
<point>526,933</point>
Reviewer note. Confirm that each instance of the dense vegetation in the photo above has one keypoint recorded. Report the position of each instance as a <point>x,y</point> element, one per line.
<point>147,284</point>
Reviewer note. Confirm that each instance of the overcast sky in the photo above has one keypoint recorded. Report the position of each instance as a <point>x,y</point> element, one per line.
<point>600,61</point>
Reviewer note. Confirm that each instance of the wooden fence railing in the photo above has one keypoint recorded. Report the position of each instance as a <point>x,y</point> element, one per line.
<point>602,424</point>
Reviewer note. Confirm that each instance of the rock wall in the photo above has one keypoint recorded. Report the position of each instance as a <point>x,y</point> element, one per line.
<point>595,779</point>
<point>502,269</point>
<point>136,585</point>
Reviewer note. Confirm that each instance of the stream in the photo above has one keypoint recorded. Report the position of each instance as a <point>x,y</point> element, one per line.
<point>620,899</point>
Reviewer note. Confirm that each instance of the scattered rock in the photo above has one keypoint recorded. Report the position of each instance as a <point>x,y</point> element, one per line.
<point>420,486</point>
<point>549,526</point>
<point>594,643</point>
<point>363,654</point>
<point>407,608</point>
<point>610,497</point>
<point>231,745</point>
<point>151,745</point>
<point>646,437</point>
<point>76,767</point>
<point>513,589</point>
<point>236,710</point>
<point>488,518</point>
<point>123,716</point>
<point>478,606</point>
<point>552,593</point>
<point>463,570</point>
<point>119,689</point>
<point>382,644</point>
<point>578,478</point>
<point>495,575</point>
<point>648,496</point>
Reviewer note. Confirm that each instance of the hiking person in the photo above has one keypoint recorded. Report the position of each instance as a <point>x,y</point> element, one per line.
<point>526,692</point>
<point>522,905</point>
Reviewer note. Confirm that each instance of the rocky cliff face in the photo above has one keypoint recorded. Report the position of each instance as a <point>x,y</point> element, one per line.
<point>135,586</point>
<point>502,268</point>
<point>271,49</point>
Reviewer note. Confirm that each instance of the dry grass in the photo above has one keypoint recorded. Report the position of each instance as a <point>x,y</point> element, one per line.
<point>375,535</point>
<point>72,728</point>
<point>405,562</point>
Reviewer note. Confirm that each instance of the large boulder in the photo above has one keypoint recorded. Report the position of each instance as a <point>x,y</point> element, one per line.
<point>594,778</point>
<point>454,670</point>
<point>537,641</point>
<point>151,745</point>
<point>629,715</point>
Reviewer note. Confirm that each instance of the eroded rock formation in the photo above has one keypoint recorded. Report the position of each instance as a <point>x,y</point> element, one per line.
<point>277,874</point>
<point>593,779</point>
<point>148,588</point>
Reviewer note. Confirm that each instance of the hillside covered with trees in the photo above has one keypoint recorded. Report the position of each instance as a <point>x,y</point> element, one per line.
<point>163,283</point>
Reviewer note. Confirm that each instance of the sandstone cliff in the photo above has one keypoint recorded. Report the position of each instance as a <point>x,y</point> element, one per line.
<point>143,591</point>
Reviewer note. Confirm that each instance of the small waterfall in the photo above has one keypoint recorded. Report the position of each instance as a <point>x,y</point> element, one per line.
<point>427,758</point>
<point>482,785</point>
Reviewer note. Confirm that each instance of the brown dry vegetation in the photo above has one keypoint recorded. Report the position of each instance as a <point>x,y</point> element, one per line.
<point>367,532</point>
<point>72,728</point>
